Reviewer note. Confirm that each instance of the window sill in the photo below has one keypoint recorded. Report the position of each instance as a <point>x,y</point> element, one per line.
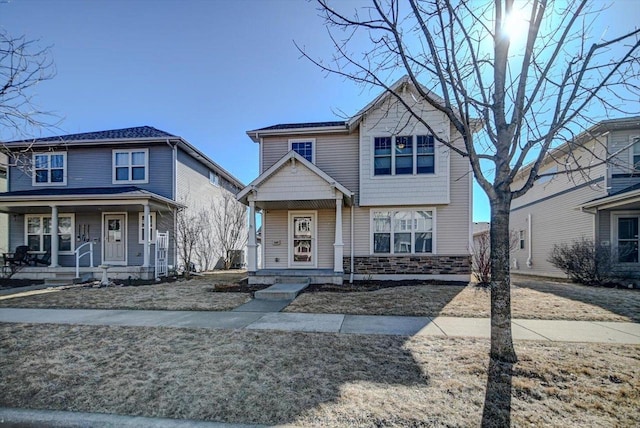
<point>130,182</point>
<point>49,184</point>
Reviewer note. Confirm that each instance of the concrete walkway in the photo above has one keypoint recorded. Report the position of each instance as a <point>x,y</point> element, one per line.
<point>550,330</point>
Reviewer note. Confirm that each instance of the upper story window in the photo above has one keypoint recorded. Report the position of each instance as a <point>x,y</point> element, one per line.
<point>402,231</point>
<point>410,155</point>
<point>131,166</point>
<point>214,178</point>
<point>50,169</point>
<point>636,152</point>
<point>305,148</point>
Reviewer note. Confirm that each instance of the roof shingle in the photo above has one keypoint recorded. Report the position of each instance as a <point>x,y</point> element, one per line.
<point>113,134</point>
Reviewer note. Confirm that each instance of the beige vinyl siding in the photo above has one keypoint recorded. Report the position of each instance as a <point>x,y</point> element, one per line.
<point>620,146</point>
<point>294,182</point>
<point>391,119</point>
<point>562,181</point>
<point>276,229</point>
<point>553,205</point>
<point>553,221</point>
<point>326,237</point>
<point>336,155</point>
<point>453,221</point>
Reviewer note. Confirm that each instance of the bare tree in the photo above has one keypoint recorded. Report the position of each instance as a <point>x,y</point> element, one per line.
<point>528,96</point>
<point>206,249</point>
<point>481,255</point>
<point>229,225</point>
<point>23,65</point>
<point>188,228</point>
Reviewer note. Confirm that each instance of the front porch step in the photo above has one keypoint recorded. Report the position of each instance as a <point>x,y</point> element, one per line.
<point>281,291</point>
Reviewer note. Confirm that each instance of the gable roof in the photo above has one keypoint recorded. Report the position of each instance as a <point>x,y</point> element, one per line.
<point>135,133</point>
<point>243,194</point>
<point>344,125</point>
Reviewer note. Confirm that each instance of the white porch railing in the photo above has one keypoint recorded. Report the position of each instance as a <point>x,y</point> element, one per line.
<point>79,256</point>
<point>162,247</point>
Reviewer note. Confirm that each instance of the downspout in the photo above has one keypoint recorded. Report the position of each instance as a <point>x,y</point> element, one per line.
<point>529,246</point>
<point>351,250</point>
<point>174,190</point>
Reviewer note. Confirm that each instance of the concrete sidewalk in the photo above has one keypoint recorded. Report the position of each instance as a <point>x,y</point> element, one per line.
<point>550,330</point>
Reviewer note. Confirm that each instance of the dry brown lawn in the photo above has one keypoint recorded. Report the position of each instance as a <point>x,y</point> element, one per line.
<point>530,300</point>
<point>311,379</point>
<point>194,294</point>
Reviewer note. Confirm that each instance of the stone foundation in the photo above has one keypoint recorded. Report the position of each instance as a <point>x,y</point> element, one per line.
<point>409,265</point>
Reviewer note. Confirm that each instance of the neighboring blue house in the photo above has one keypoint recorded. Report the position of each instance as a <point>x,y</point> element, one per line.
<point>104,187</point>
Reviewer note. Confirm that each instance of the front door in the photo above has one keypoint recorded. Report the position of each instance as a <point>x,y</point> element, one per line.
<point>115,238</point>
<point>302,239</point>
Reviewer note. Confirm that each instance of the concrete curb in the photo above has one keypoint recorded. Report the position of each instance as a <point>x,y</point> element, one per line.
<point>58,418</point>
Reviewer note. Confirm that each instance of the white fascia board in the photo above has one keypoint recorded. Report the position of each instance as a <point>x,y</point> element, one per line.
<point>257,134</point>
<point>241,196</point>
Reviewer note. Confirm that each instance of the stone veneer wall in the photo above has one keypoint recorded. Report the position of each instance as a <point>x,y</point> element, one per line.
<point>416,265</point>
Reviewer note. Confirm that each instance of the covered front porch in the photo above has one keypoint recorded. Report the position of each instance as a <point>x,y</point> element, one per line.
<point>113,227</point>
<point>617,226</point>
<point>302,220</point>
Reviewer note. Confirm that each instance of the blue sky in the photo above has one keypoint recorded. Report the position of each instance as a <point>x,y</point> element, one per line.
<point>204,70</point>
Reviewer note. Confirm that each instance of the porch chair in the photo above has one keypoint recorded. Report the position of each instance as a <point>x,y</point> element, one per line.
<point>19,257</point>
<point>44,260</point>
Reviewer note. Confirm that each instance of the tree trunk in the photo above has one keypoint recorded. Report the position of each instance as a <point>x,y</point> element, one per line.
<point>501,337</point>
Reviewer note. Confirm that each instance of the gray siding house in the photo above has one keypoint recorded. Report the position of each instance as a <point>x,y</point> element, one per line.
<point>600,203</point>
<point>375,196</point>
<point>113,189</point>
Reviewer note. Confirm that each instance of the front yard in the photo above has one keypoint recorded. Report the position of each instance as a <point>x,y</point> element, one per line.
<point>530,299</point>
<point>311,379</point>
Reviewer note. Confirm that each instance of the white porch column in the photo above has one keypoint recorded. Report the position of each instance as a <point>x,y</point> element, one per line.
<point>252,256</point>
<point>338,245</point>
<point>54,236</point>
<point>147,238</point>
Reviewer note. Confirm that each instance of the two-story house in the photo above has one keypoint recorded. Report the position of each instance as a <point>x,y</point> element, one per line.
<point>113,189</point>
<point>375,196</point>
<point>599,202</point>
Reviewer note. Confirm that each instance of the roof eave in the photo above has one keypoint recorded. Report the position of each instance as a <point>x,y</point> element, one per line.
<point>256,134</point>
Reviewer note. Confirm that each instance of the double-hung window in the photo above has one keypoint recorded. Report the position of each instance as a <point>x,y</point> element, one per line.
<point>304,148</point>
<point>628,227</point>
<point>38,232</point>
<point>402,231</point>
<point>404,155</point>
<point>131,166</point>
<point>50,169</point>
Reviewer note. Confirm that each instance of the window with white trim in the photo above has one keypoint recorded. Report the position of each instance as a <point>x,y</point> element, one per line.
<point>402,231</point>
<point>141,229</point>
<point>636,152</point>
<point>131,166</point>
<point>38,233</point>
<point>50,169</point>
<point>521,239</point>
<point>628,241</point>
<point>305,148</point>
<point>410,155</point>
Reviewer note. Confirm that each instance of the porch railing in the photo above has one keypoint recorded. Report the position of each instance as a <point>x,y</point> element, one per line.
<point>79,256</point>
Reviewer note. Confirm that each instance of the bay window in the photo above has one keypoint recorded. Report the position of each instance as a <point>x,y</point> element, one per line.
<point>38,233</point>
<point>402,231</point>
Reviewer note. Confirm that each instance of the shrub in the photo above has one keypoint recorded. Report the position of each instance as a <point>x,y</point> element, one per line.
<point>584,261</point>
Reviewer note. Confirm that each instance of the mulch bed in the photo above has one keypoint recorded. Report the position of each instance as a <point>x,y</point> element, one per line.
<point>14,283</point>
